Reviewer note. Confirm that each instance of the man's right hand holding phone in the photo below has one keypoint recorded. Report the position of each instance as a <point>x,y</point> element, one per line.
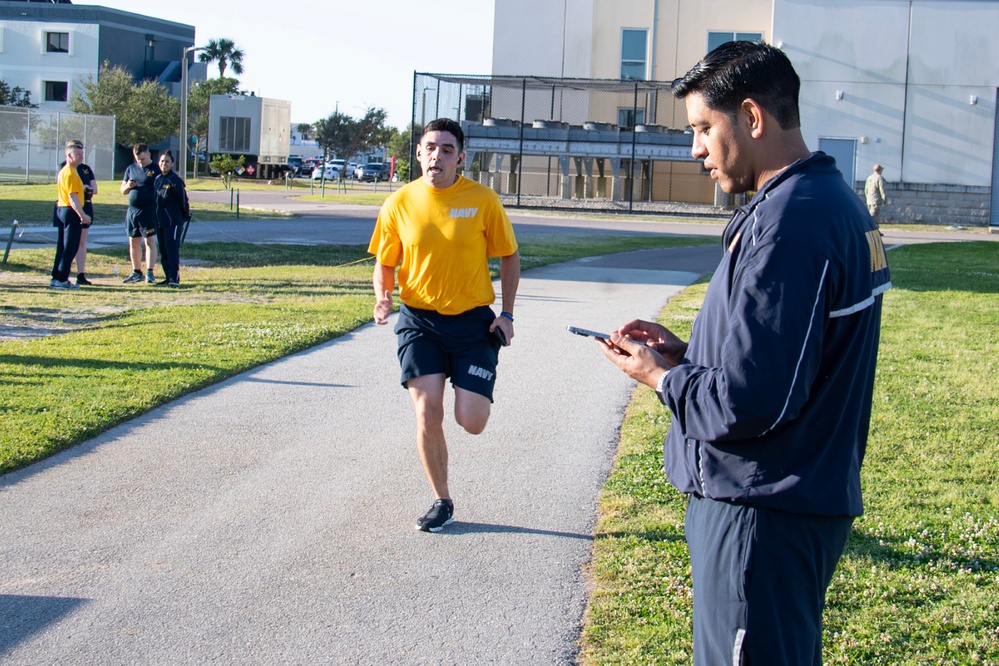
<point>649,349</point>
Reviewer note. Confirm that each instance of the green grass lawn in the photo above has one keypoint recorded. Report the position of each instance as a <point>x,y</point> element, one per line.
<point>32,204</point>
<point>111,352</point>
<point>919,583</point>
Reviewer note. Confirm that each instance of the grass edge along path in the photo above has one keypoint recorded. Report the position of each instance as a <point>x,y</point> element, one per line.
<point>919,582</point>
<point>243,306</point>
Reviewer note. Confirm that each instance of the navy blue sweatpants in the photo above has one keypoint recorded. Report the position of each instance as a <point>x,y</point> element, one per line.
<point>760,578</point>
<point>67,242</point>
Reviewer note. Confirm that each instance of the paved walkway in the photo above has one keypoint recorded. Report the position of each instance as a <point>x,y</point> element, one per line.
<point>269,519</point>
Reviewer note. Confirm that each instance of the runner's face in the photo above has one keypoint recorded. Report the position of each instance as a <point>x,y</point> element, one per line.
<point>439,158</point>
<point>166,164</point>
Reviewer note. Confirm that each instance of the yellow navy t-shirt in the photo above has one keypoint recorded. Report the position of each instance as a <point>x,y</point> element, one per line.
<point>441,240</point>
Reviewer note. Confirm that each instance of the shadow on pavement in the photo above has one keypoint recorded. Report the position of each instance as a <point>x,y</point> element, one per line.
<point>23,616</point>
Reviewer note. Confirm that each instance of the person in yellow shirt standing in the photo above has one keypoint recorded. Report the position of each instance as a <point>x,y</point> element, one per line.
<point>71,216</point>
<point>440,231</point>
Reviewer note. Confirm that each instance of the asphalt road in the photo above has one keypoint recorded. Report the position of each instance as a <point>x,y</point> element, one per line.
<point>322,223</point>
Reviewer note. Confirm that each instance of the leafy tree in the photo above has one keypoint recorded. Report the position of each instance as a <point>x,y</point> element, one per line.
<point>16,96</point>
<point>227,166</point>
<point>305,130</point>
<point>198,106</point>
<point>13,129</point>
<point>399,146</point>
<point>346,137</point>
<point>333,131</point>
<point>225,53</point>
<point>144,112</point>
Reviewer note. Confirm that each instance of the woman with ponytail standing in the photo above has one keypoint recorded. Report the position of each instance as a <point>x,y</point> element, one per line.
<point>172,211</point>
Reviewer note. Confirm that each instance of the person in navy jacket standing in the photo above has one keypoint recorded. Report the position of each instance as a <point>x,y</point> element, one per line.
<point>172,211</point>
<point>771,398</point>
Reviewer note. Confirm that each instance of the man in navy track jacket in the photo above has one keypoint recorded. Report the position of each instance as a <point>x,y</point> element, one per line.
<point>771,398</point>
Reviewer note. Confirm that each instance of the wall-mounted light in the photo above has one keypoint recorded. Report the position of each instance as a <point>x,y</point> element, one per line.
<point>973,100</point>
<point>863,139</point>
<point>839,95</point>
<point>780,44</point>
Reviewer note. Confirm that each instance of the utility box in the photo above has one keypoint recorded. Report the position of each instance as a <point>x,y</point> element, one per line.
<point>258,128</point>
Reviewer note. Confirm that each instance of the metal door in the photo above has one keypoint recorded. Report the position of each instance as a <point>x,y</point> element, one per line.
<point>845,153</point>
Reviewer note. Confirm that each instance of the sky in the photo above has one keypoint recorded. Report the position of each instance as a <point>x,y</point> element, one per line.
<point>344,55</point>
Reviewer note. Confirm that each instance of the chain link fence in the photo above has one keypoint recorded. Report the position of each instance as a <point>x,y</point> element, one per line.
<point>554,143</point>
<point>33,143</point>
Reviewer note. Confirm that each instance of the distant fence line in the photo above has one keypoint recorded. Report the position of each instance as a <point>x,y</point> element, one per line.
<point>33,143</point>
<point>551,142</point>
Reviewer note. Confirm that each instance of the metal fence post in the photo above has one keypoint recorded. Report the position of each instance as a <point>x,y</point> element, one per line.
<point>27,151</point>
<point>520,158</point>
<point>10,241</point>
<point>634,137</point>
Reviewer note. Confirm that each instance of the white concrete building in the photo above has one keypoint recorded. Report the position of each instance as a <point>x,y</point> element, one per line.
<point>910,84</point>
<point>48,48</point>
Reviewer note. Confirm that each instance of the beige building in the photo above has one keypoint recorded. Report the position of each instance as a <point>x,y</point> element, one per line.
<point>910,84</point>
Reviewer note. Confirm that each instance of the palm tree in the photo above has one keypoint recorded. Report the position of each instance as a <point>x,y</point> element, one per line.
<point>224,52</point>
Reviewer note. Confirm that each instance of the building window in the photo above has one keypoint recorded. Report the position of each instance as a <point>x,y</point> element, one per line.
<point>627,118</point>
<point>234,134</point>
<point>716,39</point>
<point>56,91</point>
<point>634,54</point>
<point>57,42</point>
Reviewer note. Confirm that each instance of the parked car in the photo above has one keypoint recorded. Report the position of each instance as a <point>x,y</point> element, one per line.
<point>372,172</point>
<point>308,166</point>
<point>329,172</point>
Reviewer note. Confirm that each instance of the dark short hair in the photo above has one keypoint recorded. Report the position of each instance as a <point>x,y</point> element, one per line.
<point>446,125</point>
<point>738,70</point>
<point>140,148</point>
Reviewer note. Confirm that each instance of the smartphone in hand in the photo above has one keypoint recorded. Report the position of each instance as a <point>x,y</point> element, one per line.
<point>595,334</point>
<point>588,333</point>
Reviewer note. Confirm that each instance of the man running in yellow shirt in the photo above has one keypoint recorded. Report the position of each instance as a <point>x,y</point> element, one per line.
<point>440,231</point>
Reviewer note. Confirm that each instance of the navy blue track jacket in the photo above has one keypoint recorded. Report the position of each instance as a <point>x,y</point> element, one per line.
<point>772,404</point>
<point>172,206</point>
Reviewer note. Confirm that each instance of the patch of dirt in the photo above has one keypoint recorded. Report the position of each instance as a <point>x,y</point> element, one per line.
<point>54,312</point>
<point>25,323</point>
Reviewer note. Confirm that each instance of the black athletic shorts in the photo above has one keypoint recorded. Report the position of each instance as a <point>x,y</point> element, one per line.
<point>458,346</point>
<point>140,222</point>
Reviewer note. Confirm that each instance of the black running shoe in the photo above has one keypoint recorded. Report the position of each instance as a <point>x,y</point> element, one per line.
<point>82,279</point>
<point>440,514</point>
<point>136,276</point>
